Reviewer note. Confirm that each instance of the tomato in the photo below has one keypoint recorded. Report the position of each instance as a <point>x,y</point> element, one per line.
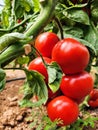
<point>45,43</point>
<point>71,55</point>
<point>38,65</point>
<point>77,86</point>
<point>93,98</point>
<point>19,21</point>
<point>93,104</point>
<point>63,108</point>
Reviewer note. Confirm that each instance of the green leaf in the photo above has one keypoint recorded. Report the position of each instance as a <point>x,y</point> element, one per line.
<point>75,31</point>
<point>6,13</point>
<point>5,19</point>
<point>18,10</point>
<point>23,60</point>
<point>34,85</point>
<point>36,5</point>
<point>55,76</point>
<point>11,38</point>
<point>2,79</point>
<point>88,44</point>
<point>77,16</point>
<point>94,10</point>
<point>91,35</point>
<point>26,5</point>
<point>85,42</point>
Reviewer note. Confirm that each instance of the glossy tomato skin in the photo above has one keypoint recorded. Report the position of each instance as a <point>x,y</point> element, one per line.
<point>38,65</point>
<point>45,43</point>
<point>93,104</point>
<point>93,98</point>
<point>77,86</point>
<point>64,109</point>
<point>71,55</point>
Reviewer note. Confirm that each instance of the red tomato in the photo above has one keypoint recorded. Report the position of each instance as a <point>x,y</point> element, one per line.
<point>63,108</point>
<point>93,104</point>
<point>77,86</point>
<point>38,65</point>
<point>93,98</point>
<point>45,43</point>
<point>19,21</point>
<point>94,94</point>
<point>71,55</point>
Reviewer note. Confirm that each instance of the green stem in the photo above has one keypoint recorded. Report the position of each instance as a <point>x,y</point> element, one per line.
<point>47,11</point>
<point>40,55</point>
<point>16,26</point>
<point>11,53</point>
<point>59,26</point>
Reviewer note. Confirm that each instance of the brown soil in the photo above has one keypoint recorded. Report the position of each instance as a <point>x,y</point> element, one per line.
<point>12,117</point>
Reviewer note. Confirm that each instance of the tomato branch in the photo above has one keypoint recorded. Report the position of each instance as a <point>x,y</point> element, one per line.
<point>47,11</point>
<point>47,6</point>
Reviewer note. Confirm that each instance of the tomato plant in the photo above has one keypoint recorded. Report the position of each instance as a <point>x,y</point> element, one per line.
<point>45,43</point>
<point>76,22</point>
<point>38,65</point>
<point>64,109</point>
<point>71,55</point>
<point>77,86</point>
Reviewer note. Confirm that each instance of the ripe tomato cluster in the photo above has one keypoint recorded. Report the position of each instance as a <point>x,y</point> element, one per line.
<point>76,83</point>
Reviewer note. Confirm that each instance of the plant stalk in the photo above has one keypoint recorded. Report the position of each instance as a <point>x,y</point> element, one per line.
<point>47,12</point>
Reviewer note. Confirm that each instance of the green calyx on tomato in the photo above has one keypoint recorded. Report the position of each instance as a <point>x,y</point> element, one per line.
<point>77,86</point>
<point>63,108</point>
<point>45,43</point>
<point>71,55</point>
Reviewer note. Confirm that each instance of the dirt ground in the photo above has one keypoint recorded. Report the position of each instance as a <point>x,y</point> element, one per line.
<point>12,117</point>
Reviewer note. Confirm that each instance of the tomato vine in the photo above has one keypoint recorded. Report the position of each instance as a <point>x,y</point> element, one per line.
<point>20,24</point>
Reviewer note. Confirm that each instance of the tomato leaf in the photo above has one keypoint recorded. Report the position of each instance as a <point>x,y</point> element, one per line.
<point>88,44</point>
<point>2,79</point>
<point>34,85</point>
<point>6,12</point>
<point>77,16</point>
<point>11,38</point>
<point>55,75</point>
<point>74,31</point>
<point>22,60</point>
<point>36,5</point>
